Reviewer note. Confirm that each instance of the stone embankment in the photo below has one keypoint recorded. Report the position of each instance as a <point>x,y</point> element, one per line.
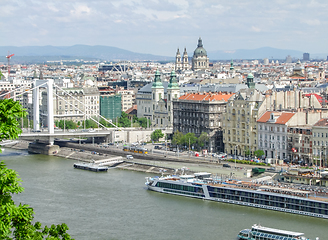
<point>89,153</point>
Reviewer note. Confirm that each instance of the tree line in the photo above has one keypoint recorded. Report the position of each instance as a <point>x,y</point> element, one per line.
<point>183,140</point>
<point>122,121</point>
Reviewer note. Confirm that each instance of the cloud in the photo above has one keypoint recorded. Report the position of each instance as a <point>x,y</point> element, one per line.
<point>159,26</point>
<point>312,22</point>
<point>80,11</point>
<point>255,29</point>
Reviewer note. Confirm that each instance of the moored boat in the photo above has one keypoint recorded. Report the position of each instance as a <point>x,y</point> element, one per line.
<point>90,167</point>
<point>203,186</point>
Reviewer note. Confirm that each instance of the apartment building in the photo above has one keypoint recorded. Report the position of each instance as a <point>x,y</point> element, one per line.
<point>202,112</point>
<point>320,142</point>
<point>240,122</point>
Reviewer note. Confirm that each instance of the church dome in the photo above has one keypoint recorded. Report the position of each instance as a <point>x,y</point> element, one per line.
<point>200,51</point>
<point>250,75</point>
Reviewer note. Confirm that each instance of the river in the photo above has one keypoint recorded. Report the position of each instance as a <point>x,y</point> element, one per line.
<point>116,205</point>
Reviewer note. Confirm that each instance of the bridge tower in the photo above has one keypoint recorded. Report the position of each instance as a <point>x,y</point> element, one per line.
<point>36,107</point>
<point>50,107</point>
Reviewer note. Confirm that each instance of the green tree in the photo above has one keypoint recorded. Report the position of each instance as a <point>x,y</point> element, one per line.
<point>143,122</point>
<point>259,153</point>
<point>156,135</point>
<point>189,138</point>
<point>124,120</point>
<point>247,152</point>
<point>67,124</point>
<point>103,122</point>
<point>70,124</point>
<point>10,111</point>
<point>203,139</point>
<point>16,220</point>
<point>177,138</point>
<point>1,75</point>
<point>89,123</point>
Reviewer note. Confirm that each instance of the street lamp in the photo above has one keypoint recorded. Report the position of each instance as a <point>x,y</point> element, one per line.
<point>235,155</point>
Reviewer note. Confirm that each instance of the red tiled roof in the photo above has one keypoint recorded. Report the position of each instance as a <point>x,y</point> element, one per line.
<point>323,122</point>
<point>316,95</point>
<point>207,96</point>
<point>265,117</point>
<point>134,107</point>
<point>283,118</point>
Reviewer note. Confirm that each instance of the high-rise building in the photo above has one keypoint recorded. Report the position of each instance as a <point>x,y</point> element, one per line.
<point>306,56</point>
<point>289,59</point>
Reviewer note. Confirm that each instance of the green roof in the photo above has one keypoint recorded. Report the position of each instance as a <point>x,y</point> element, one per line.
<point>173,81</point>
<point>157,81</point>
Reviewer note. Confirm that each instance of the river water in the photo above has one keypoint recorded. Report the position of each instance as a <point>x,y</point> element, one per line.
<point>116,205</point>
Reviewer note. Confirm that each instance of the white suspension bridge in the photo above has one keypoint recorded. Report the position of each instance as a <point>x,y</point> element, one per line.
<point>114,134</point>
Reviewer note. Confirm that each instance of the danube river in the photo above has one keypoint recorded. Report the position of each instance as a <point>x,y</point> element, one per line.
<point>116,205</point>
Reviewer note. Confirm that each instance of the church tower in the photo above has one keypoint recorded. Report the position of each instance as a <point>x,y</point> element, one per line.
<point>157,90</point>
<point>178,64</point>
<point>185,60</point>
<point>231,70</point>
<point>200,60</point>
<point>173,93</point>
<point>250,83</point>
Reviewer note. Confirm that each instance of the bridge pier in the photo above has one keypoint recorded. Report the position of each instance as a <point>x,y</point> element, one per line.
<point>43,148</point>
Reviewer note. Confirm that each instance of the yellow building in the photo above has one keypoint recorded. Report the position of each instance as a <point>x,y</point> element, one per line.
<point>239,122</point>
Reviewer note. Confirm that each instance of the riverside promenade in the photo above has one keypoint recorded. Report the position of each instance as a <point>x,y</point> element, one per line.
<point>157,163</point>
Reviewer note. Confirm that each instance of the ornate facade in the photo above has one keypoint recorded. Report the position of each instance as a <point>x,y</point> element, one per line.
<point>239,122</point>
<point>181,63</point>
<point>201,112</point>
<point>155,101</point>
<point>200,60</point>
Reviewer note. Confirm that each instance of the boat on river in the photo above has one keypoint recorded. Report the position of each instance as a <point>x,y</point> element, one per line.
<point>91,167</point>
<point>257,232</point>
<point>277,198</point>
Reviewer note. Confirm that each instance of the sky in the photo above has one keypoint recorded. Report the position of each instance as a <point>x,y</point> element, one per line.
<point>161,26</point>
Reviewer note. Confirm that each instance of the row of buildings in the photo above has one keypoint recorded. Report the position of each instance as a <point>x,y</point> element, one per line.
<point>243,106</point>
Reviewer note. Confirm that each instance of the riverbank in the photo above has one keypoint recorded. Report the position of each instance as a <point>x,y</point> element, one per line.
<point>92,154</point>
<point>150,163</point>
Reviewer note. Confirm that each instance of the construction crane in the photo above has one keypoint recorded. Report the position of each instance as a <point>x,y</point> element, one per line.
<point>8,57</point>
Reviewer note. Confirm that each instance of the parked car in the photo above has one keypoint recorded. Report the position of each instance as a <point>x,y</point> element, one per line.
<point>129,157</point>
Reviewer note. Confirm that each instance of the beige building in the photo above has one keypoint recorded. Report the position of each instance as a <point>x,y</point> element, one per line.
<point>288,101</point>
<point>239,122</point>
<point>74,104</point>
<point>128,98</point>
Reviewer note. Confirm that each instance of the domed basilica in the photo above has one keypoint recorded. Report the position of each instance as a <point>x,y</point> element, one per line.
<point>199,60</point>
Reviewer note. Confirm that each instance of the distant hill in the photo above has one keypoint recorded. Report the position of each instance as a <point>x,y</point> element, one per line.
<point>37,54</point>
<point>259,53</point>
<point>86,52</point>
